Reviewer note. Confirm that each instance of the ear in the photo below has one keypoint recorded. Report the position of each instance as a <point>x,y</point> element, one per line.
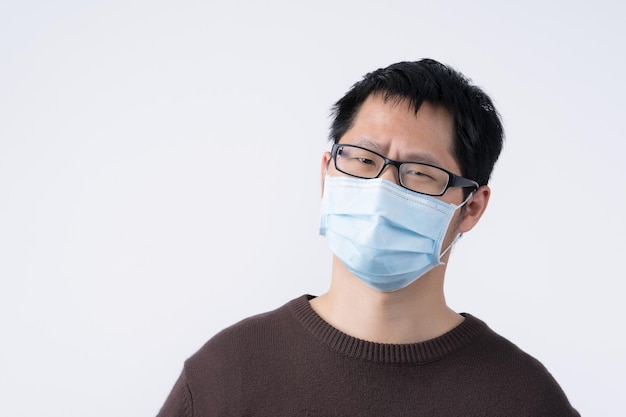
<point>324,167</point>
<point>474,208</point>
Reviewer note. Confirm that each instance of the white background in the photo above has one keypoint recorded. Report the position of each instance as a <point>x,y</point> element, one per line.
<point>159,180</point>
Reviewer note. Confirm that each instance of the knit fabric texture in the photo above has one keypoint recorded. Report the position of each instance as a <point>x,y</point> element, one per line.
<point>290,362</point>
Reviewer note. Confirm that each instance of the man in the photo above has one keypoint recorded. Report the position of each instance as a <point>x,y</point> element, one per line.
<point>414,145</point>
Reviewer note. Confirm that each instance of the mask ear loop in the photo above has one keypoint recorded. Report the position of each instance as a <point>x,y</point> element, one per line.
<point>470,195</point>
<point>460,235</point>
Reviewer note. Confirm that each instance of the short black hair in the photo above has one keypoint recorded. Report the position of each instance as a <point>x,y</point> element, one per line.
<point>478,132</point>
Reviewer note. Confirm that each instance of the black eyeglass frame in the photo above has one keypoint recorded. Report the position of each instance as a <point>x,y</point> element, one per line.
<point>453,179</point>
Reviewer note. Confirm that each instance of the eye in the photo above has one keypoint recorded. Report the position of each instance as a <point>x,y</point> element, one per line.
<point>366,161</point>
<point>418,174</point>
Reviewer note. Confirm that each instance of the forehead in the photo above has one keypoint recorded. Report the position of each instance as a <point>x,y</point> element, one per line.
<point>393,128</point>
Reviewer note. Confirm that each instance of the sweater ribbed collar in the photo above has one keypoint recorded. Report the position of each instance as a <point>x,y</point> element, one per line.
<point>404,354</point>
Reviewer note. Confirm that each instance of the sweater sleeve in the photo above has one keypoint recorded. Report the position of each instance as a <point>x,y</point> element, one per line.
<point>178,403</point>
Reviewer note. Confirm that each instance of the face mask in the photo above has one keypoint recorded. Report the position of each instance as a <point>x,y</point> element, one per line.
<point>384,234</point>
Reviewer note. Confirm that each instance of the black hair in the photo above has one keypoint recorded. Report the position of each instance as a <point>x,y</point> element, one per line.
<point>478,132</point>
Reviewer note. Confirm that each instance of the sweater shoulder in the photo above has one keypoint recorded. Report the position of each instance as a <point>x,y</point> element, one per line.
<point>503,352</point>
<point>521,377</point>
<point>242,338</point>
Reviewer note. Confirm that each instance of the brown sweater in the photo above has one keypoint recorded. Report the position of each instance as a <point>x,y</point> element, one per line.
<point>289,362</point>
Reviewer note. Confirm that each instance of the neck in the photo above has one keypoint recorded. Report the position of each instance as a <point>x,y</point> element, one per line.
<point>413,314</point>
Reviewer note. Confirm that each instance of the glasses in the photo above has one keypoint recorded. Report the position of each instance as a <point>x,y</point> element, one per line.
<point>415,176</point>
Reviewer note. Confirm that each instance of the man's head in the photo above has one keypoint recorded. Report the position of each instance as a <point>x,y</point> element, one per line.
<point>421,126</point>
<point>477,130</point>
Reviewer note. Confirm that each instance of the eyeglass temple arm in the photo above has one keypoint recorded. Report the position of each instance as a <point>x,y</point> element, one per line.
<point>463,182</point>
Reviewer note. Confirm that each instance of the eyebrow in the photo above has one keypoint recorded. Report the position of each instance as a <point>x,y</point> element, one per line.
<point>411,157</point>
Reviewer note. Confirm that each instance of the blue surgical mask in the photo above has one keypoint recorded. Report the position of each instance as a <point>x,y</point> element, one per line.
<point>384,234</point>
